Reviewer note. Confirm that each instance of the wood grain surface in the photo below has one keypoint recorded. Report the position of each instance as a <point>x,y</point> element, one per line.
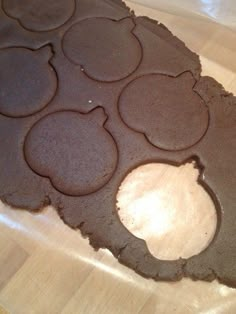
<point>47,268</point>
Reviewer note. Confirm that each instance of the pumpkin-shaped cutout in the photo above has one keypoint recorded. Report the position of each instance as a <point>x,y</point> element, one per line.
<point>28,82</point>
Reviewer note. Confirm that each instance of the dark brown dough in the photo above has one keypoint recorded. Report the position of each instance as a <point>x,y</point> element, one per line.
<point>64,145</point>
<point>155,104</point>
<point>40,15</point>
<point>163,32</point>
<point>118,50</point>
<point>58,148</point>
<point>27,82</point>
